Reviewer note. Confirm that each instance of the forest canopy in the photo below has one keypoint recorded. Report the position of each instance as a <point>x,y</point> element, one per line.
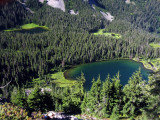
<point>69,40</point>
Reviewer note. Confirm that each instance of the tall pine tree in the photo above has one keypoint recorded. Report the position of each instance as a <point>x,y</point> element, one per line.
<point>134,97</point>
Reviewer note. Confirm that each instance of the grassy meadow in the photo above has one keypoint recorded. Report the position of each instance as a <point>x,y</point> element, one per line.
<point>56,78</point>
<point>151,64</point>
<point>155,45</point>
<point>27,27</point>
<point>103,32</point>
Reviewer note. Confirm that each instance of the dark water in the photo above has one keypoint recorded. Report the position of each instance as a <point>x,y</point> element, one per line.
<point>92,70</point>
<point>34,30</point>
<point>95,2</point>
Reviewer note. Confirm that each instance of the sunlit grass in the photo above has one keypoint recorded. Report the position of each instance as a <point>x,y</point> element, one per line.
<point>56,78</point>
<point>155,45</point>
<point>60,80</point>
<point>152,64</point>
<point>103,32</point>
<point>27,27</point>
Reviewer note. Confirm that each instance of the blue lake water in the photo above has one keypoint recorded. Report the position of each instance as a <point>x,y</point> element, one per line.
<point>93,70</point>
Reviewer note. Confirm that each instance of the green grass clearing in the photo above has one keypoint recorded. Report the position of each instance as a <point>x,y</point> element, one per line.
<point>155,45</point>
<point>56,78</point>
<point>61,81</point>
<point>152,64</point>
<point>103,32</point>
<point>27,27</point>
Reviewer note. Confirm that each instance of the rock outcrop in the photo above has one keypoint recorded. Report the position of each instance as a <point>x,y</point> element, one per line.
<point>72,12</point>
<point>51,115</point>
<point>129,2</point>
<point>107,16</point>
<point>55,4</point>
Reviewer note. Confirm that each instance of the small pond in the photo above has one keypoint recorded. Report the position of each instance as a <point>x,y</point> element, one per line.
<point>33,30</point>
<point>112,67</point>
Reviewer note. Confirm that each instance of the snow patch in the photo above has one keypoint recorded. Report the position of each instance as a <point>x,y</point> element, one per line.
<point>107,16</point>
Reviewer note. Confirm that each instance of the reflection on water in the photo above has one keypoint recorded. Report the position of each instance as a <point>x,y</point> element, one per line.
<point>32,31</point>
<point>93,70</point>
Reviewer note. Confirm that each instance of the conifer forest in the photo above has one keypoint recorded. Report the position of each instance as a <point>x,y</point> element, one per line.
<point>40,42</point>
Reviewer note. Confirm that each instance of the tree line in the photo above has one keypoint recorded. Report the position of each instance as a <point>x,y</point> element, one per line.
<point>24,56</point>
<point>141,13</point>
<point>106,99</point>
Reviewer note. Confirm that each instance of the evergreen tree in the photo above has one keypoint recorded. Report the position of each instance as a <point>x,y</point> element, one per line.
<point>111,95</point>
<point>115,113</point>
<point>153,108</point>
<point>18,97</point>
<point>84,103</point>
<point>41,100</point>
<point>34,99</point>
<point>67,101</point>
<point>80,87</point>
<point>47,101</point>
<point>71,104</point>
<point>134,97</point>
<point>106,97</point>
<point>94,98</point>
<point>116,90</point>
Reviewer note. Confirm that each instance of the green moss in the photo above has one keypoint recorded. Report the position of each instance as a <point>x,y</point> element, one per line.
<point>155,45</point>
<point>113,35</point>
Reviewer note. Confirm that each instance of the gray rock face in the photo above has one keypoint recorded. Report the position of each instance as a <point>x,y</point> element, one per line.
<point>107,16</point>
<point>59,116</point>
<point>55,4</point>
<point>72,12</point>
<point>129,2</point>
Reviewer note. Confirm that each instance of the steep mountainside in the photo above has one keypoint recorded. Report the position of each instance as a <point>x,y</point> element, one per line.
<point>4,2</point>
<point>12,13</point>
<point>66,30</point>
<point>143,14</point>
<point>39,41</point>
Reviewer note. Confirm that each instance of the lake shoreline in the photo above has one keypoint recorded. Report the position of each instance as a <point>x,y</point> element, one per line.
<point>66,72</point>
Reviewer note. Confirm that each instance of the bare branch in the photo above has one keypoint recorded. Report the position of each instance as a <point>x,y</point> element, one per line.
<point>6,84</point>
